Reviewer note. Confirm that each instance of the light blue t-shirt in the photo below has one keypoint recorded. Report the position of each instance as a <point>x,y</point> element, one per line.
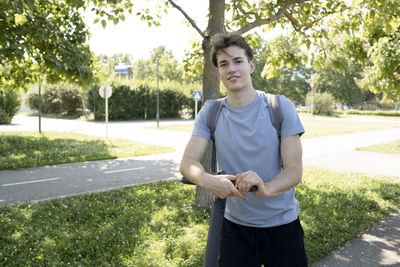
<point>246,140</point>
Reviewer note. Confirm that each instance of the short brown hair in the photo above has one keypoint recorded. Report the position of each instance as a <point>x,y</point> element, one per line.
<point>221,41</point>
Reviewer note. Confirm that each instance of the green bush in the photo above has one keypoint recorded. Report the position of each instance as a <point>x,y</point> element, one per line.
<point>10,103</point>
<point>57,99</point>
<point>128,103</point>
<point>323,103</point>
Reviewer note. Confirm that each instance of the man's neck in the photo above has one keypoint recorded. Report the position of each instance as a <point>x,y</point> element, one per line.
<point>241,98</point>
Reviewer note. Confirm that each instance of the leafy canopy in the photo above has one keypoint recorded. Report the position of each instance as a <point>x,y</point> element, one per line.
<point>43,39</point>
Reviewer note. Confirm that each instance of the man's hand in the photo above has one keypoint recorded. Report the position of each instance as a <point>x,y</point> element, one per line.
<point>245,180</point>
<point>222,186</point>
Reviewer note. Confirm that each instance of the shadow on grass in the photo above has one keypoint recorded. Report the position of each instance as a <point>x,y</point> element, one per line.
<point>332,216</point>
<point>17,151</point>
<point>136,226</point>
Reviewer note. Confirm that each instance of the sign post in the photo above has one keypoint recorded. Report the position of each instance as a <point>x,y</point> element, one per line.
<point>105,92</point>
<point>197,97</point>
<point>312,85</point>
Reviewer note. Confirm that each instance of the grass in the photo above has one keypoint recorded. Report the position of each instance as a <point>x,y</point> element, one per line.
<point>390,147</point>
<point>320,126</point>
<point>27,149</point>
<point>155,225</point>
<point>325,127</point>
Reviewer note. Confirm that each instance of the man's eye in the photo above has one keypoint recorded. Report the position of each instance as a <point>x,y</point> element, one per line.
<point>239,61</point>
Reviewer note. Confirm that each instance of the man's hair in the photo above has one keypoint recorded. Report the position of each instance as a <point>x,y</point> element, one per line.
<point>221,41</point>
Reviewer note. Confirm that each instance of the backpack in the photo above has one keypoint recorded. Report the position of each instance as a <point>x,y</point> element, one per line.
<point>275,114</point>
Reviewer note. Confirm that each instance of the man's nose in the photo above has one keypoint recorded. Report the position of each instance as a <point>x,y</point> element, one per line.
<point>231,68</point>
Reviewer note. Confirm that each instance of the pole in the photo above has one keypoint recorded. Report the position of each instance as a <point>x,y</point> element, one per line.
<point>195,108</point>
<point>158,98</point>
<point>40,107</point>
<point>312,85</point>
<point>106,99</point>
<point>145,102</point>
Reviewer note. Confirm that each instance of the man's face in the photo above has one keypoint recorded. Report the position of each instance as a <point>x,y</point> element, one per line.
<point>234,69</point>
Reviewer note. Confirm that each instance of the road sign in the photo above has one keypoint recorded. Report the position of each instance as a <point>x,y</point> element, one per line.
<point>197,95</point>
<point>105,91</point>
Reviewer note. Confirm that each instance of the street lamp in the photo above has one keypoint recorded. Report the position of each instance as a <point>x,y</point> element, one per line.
<point>312,85</point>
<point>158,97</point>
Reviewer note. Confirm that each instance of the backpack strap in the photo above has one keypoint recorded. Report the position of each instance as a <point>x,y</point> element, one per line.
<point>275,113</point>
<point>212,120</point>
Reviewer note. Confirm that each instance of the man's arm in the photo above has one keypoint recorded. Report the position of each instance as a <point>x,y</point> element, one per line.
<point>191,169</point>
<point>291,154</point>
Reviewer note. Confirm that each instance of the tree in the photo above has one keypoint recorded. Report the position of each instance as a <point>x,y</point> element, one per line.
<point>107,64</point>
<point>341,84</point>
<point>43,37</point>
<point>383,75</point>
<point>169,69</point>
<point>370,36</point>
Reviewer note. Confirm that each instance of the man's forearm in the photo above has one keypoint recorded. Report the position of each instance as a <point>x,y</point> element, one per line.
<point>288,178</point>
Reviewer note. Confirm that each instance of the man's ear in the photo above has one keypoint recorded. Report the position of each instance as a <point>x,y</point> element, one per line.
<point>252,66</point>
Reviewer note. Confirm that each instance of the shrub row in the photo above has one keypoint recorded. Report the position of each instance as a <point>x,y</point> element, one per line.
<point>57,99</point>
<point>127,103</point>
<point>10,103</point>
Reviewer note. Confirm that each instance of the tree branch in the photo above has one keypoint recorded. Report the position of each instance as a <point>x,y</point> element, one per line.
<point>266,21</point>
<point>296,25</point>
<point>260,22</point>
<point>191,21</point>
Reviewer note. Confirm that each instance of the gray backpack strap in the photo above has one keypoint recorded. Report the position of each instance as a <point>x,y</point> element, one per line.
<point>275,113</point>
<point>212,120</point>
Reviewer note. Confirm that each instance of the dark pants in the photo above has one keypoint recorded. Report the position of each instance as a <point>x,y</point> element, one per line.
<point>245,246</point>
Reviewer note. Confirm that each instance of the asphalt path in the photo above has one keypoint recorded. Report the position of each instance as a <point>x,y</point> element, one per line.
<point>47,182</point>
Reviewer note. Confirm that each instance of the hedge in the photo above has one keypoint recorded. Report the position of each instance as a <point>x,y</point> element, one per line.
<point>127,103</point>
<point>10,103</point>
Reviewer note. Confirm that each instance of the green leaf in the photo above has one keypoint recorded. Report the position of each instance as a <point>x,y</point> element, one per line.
<point>122,17</point>
<point>104,23</point>
<point>96,20</point>
<point>20,19</point>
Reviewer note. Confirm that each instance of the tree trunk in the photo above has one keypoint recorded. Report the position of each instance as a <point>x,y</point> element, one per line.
<point>210,85</point>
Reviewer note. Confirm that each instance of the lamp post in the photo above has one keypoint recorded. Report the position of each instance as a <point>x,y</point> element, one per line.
<point>158,97</point>
<point>312,85</point>
<point>40,107</point>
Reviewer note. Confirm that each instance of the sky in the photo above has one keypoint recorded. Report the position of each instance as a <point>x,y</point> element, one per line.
<point>134,37</point>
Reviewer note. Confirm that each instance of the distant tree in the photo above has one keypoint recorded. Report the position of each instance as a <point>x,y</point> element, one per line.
<point>341,84</point>
<point>107,64</point>
<point>168,66</point>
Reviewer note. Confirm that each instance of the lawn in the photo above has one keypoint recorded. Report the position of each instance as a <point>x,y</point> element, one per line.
<point>155,224</point>
<point>318,126</point>
<point>390,147</point>
<point>322,126</point>
<point>27,149</point>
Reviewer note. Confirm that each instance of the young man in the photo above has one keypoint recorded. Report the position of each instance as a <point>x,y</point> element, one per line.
<point>260,227</point>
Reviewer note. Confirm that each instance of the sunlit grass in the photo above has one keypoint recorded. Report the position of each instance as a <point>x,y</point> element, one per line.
<point>325,127</point>
<point>320,126</point>
<point>155,224</point>
<point>27,149</point>
<point>390,147</point>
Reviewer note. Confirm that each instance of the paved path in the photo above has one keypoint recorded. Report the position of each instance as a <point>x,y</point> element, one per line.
<point>378,246</point>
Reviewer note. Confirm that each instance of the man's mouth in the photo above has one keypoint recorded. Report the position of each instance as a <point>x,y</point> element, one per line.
<point>233,78</point>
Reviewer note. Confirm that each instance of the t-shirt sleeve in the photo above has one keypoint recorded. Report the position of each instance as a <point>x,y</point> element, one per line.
<point>200,125</point>
<point>291,124</point>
